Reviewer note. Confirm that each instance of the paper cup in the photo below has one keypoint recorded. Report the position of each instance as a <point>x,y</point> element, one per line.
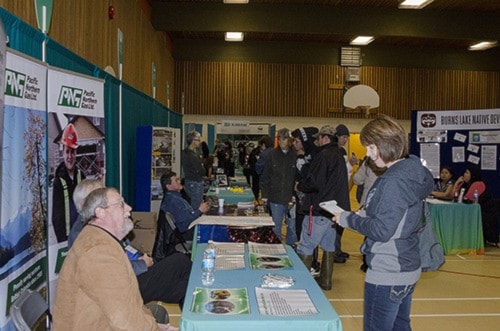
<point>221,203</point>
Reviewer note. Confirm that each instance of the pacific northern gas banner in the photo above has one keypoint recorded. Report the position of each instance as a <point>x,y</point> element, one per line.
<point>76,150</point>
<point>23,244</point>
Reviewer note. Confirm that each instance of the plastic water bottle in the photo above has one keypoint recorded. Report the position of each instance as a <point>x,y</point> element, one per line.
<point>208,265</point>
<point>475,197</point>
<point>461,196</point>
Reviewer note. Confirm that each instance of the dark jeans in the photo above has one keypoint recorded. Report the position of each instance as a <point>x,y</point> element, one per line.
<point>166,280</point>
<point>387,307</point>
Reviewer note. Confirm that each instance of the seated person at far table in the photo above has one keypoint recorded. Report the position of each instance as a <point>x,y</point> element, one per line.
<point>164,281</point>
<point>473,183</point>
<point>97,288</point>
<point>178,207</point>
<point>443,189</point>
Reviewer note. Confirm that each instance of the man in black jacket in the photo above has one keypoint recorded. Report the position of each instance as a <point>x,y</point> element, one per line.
<point>326,181</point>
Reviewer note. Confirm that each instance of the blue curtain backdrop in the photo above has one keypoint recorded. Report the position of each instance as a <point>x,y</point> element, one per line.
<point>138,108</point>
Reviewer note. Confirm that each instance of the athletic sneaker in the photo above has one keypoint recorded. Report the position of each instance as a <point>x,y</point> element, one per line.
<point>314,272</point>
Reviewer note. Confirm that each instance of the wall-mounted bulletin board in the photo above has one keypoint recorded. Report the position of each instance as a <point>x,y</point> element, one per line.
<point>459,138</point>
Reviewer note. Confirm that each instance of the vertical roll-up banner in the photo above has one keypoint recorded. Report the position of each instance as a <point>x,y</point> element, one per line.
<point>76,150</point>
<point>23,222</point>
<point>3,42</point>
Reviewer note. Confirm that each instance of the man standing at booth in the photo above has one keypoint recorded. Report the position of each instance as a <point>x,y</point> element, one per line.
<point>193,169</point>
<point>277,183</point>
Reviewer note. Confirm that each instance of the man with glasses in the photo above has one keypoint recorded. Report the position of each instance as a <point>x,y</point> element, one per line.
<point>97,288</point>
<point>193,169</point>
<point>164,280</point>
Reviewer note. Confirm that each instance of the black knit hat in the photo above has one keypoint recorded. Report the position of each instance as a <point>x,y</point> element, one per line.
<point>305,134</point>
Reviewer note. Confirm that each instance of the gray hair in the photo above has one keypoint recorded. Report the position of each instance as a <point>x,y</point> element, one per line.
<point>83,189</point>
<point>96,199</point>
<point>191,136</point>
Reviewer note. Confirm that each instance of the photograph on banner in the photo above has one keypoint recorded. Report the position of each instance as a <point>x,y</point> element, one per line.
<point>76,150</point>
<point>23,245</point>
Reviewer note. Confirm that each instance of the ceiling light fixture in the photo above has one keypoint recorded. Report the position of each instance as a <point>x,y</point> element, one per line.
<point>481,46</point>
<point>235,1</point>
<point>233,36</point>
<point>362,40</point>
<point>414,4</point>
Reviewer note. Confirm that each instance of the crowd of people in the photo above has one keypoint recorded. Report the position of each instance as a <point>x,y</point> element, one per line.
<point>105,281</point>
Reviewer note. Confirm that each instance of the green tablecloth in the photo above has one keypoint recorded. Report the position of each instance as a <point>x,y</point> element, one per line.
<point>231,198</point>
<point>458,226</point>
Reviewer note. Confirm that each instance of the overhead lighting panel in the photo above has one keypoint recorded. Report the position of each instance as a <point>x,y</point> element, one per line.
<point>481,46</point>
<point>414,4</point>
<point>235,1</point>
<point>233,36</point>
<point>361,40</point>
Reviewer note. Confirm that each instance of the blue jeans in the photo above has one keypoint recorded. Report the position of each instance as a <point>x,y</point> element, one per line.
<point>387,307</point>
<point>195,192</point>
<point>322,233</point>
<point>278,211</point>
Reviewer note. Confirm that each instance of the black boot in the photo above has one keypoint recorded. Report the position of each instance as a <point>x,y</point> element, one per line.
<point>306,259</point>
<point>325,277</point>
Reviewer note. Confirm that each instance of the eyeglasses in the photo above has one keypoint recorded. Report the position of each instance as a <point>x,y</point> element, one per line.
<point>196,139</point>
<point>121,203</point>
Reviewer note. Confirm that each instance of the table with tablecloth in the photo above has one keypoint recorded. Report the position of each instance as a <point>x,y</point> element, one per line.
<point>233,224</point>
<point>325,319</point>
<point>458,226</point>
<point>230,197</point>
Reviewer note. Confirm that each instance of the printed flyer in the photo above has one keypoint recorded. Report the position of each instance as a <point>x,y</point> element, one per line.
<point>221,301</point>
<point>259,261</point>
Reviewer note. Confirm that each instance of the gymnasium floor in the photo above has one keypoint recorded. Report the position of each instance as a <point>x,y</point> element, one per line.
<point>463,295</point>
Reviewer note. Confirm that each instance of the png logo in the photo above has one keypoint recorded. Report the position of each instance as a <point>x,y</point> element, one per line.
<point>70,97</point>
<point>14,83</point>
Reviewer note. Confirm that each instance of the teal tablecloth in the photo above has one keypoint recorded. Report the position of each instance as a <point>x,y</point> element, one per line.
<point>230,198</point>
<point>326,319</point>
<point>458,226</point>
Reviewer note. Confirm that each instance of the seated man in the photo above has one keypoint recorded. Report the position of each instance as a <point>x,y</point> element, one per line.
<point>164,281</point>
<point>97,288</point>
<point>182,213</point>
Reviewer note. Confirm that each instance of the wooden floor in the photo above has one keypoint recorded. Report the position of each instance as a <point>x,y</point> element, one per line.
<point>463,295</point>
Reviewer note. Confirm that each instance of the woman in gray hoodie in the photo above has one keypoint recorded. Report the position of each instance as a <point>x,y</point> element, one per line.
<point>391,222</point>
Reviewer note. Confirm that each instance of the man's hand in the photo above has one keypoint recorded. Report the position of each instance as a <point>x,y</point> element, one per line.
<point>148,259</point>
<point>167,327</point>
<point>353,160</point>
<point>204,207</point>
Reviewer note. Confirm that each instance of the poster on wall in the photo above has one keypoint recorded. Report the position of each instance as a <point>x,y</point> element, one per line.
<point>466,138</point>
<point>76,150</point>
<point>23,254</point>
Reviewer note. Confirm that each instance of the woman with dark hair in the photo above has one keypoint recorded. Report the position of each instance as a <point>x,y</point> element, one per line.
<point>473,184</point>
<point>443,189</point>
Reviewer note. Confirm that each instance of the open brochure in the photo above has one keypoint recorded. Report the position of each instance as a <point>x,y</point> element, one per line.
<point>331,207</point>
<point>269,262</point>
<point>224,301</point>
<point>229,256</point>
